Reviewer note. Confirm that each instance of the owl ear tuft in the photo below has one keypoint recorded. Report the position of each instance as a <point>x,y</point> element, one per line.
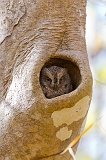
<point>62,72</point>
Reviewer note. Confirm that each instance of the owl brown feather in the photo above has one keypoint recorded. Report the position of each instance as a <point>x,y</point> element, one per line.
<point>55,81</point>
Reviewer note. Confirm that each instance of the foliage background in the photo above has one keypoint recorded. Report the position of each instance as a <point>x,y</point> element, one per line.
<point>93,144</point>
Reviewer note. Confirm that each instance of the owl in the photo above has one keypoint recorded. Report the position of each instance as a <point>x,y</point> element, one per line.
<point>55,81</point>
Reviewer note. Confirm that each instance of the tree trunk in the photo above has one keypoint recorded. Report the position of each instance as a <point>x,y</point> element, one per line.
<point>33,35</point>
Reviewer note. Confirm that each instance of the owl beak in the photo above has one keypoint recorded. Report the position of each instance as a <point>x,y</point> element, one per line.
<point>55,80</point>
<point>55,86</point>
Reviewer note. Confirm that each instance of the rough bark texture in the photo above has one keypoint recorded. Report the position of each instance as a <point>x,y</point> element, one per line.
<point>32,34</point>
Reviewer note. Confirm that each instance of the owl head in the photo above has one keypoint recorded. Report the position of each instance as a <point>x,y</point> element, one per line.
<point>55,81</point>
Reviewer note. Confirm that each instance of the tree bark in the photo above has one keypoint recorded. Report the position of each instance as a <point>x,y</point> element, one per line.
<point>34,33</point>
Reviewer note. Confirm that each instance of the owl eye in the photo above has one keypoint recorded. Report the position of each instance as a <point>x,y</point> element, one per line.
<point>61,79</point>
<point>48,79</point>
<point>66,85</point>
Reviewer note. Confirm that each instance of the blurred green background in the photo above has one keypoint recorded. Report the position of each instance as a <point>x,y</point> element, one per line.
<point>93,145</point>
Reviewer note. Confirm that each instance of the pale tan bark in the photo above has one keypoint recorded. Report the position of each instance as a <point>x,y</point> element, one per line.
<point>32,32</point>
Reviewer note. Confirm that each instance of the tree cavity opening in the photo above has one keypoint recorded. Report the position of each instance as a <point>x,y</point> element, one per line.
<point>53,83</point>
